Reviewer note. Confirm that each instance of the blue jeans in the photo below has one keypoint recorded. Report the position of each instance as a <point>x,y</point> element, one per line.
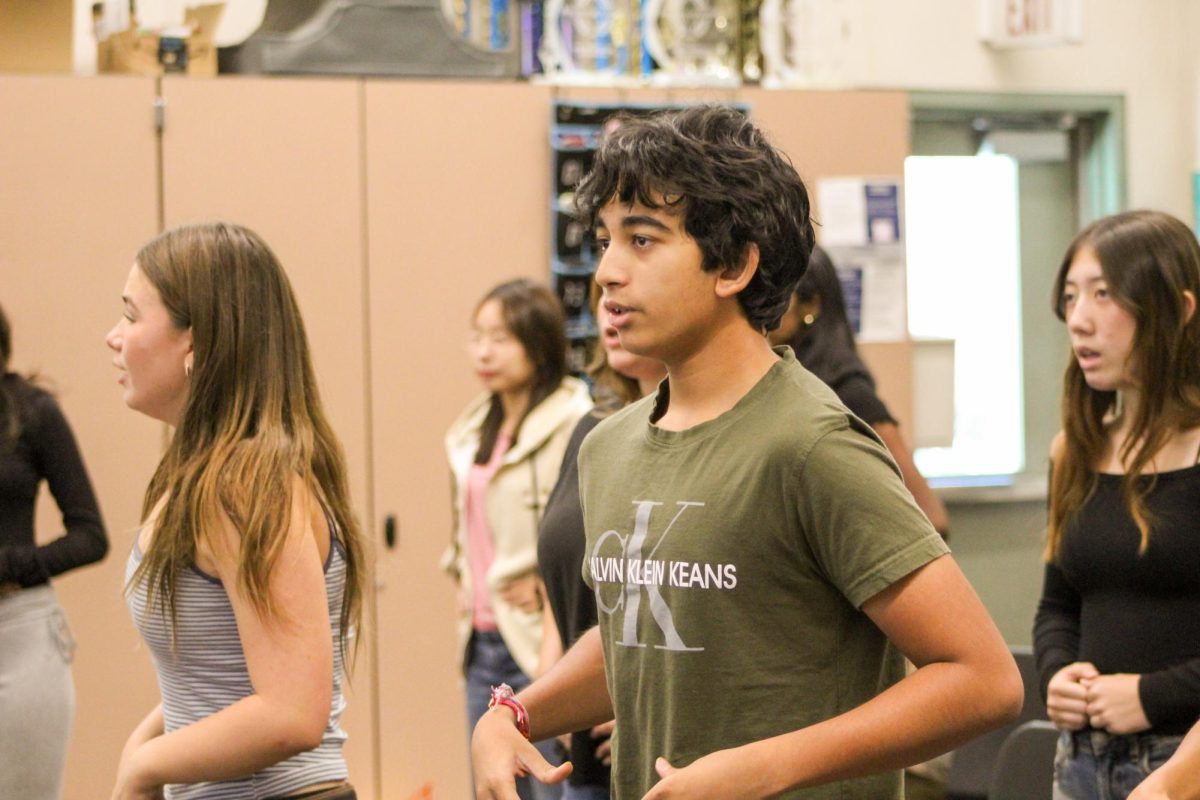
<point>490,664</point>
<point>587,792</point>
<point>1094,765</point>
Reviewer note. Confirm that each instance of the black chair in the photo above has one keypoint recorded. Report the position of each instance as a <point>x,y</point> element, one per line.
<point>972,764</point>
<point>1024,769</point>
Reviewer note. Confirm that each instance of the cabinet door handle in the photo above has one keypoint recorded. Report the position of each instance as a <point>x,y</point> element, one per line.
<point>389,531</point>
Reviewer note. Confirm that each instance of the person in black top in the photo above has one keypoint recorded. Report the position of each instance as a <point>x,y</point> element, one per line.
<point>1117,633</point>
<point>619,378</point>
<point>37,697</point>
<point>817,327</point>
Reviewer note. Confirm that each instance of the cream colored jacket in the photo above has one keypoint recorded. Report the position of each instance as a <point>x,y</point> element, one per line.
<point>513,508</point>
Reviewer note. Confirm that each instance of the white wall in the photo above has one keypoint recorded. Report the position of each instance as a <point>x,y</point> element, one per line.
<point>1144,51</point>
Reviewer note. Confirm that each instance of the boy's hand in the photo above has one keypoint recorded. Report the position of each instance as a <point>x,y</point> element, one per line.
<point>723,775</point>
<point>499,754</point>
<point>1066,696</point>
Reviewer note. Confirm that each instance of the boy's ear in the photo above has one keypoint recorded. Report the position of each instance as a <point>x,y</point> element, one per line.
<point>733,279</point>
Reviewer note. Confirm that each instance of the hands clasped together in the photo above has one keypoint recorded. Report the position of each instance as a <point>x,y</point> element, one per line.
<point>1079,696</point>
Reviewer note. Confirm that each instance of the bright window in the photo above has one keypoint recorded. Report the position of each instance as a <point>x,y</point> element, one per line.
<point>964,284</point>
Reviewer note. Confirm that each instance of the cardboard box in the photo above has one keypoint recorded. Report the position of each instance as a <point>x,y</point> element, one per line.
<point>37,37</point>
<point>149,53</point>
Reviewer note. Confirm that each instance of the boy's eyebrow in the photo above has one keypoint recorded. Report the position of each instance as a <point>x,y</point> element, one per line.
<point>639,220</point>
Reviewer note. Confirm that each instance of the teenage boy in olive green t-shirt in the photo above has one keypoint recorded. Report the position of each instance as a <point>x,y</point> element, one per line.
<point>729,561</point>
<point>751,546</point>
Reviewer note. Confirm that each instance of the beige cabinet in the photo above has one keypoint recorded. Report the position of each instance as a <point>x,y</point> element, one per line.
<point>457,200</point>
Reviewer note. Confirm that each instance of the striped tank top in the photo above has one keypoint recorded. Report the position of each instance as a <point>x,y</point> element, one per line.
<point>206,671</point>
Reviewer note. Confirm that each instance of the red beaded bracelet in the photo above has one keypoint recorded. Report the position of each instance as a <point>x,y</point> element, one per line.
<point>503,695</point>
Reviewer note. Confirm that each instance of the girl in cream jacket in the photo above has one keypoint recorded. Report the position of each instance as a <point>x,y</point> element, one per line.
<point>505,451</point>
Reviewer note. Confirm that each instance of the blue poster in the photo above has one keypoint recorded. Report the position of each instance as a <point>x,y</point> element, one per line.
<point>851,278</point>
<point>883,212</point>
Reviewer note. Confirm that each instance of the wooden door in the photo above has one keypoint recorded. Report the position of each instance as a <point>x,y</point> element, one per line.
<point>283,157</point>
<point>457,201</point>
<point>77,171</point>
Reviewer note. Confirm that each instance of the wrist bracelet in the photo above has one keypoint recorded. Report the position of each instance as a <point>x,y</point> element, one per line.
<point>503,695</point>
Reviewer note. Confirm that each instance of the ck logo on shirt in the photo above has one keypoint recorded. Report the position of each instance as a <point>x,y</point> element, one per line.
<point>635,573</point>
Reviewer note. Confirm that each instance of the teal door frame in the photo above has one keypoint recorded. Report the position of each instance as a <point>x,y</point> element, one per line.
<point>1103,166</point>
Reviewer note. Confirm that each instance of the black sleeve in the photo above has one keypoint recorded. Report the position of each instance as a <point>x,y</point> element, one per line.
<point>858,394</point>
<point>1056,626</point>
<point>1172,695</point>
<point>57,459</point>
<point>561,545</point>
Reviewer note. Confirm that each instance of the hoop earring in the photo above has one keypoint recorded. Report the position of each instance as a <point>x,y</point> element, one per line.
<point>809,319</point>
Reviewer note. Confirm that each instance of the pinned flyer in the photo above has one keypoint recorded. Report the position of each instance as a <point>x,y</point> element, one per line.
<point>858,212</point>
<point>873,282</point>
<point>860,228</point>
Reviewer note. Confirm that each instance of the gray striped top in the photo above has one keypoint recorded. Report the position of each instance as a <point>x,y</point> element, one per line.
<point>206,671</point>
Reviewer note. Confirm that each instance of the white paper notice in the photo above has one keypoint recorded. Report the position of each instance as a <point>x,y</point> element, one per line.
<point>842,203</point>
<point>876,275</point>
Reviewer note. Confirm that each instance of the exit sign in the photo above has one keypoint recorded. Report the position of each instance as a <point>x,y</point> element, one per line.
<point>1030,23</point>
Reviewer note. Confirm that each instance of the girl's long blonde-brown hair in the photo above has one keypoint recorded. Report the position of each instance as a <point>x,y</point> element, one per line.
<point>1148,260</point>
<point>252,421</point>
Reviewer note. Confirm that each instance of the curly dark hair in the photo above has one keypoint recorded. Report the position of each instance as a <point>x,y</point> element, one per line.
<point>732,188</point>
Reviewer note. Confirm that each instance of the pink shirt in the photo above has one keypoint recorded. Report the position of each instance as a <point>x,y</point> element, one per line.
<point>481,549</point>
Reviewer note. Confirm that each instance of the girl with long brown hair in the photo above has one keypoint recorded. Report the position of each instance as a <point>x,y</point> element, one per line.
<point>1117,636</point>
<point>505,451</point>
<point>245,577</point>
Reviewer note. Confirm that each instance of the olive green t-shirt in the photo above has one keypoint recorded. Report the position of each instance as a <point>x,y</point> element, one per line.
<point>729,563</point>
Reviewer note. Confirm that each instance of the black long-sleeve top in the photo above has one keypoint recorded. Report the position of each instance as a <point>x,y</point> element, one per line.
<point>45,449</point>
<point>561,549</point>
<point>1103,603</point>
